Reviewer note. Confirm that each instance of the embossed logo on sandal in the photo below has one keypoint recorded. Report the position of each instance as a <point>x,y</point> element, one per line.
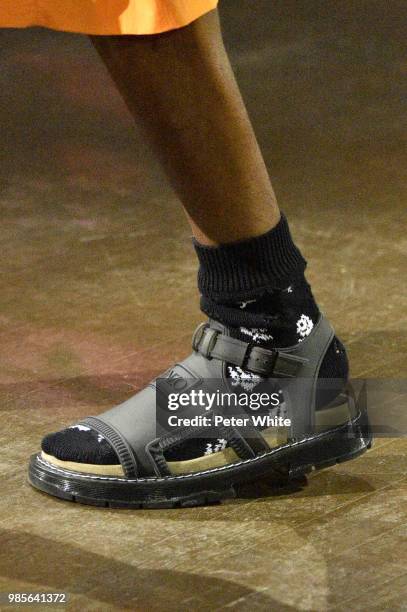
<point>177,379</point>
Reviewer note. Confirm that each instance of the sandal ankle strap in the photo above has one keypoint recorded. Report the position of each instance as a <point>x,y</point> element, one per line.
<point>212,343</point>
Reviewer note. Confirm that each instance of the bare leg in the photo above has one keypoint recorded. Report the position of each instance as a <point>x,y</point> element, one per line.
<point>181,87</point>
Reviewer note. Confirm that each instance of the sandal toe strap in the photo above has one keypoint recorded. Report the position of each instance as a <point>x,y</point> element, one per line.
<point>117,441</point>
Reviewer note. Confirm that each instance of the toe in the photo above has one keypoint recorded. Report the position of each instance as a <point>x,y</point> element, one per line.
<point>79,444</point>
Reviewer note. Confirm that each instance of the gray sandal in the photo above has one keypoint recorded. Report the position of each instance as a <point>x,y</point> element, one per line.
<point>316,438</point>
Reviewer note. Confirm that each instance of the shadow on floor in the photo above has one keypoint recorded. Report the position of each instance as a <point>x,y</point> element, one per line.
<point>63,567</point>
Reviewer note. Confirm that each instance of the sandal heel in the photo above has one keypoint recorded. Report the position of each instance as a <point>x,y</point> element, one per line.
<point>337,445</point>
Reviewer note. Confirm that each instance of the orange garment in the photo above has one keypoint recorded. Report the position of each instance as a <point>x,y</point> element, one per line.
<point>103,16</point>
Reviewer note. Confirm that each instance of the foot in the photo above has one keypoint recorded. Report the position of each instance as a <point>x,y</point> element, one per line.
<point>117,458</point>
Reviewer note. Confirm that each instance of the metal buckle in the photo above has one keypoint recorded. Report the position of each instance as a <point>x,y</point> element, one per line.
<point>198,335</point>
<point>204,339</point>
<point>262,361</point>
<point>208,342</point>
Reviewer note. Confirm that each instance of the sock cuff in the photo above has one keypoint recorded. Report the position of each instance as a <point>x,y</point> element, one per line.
<point>245,268</point>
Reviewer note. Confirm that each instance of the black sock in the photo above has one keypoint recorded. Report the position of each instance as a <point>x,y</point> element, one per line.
<point>258,289</point>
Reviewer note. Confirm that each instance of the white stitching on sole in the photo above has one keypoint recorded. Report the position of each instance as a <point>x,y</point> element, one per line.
<point>192,475</point>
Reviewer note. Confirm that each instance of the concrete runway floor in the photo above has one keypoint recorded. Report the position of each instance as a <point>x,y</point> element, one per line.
<point>97,286</point>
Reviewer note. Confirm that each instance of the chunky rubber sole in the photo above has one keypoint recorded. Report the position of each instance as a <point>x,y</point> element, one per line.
<point>277,466</point>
